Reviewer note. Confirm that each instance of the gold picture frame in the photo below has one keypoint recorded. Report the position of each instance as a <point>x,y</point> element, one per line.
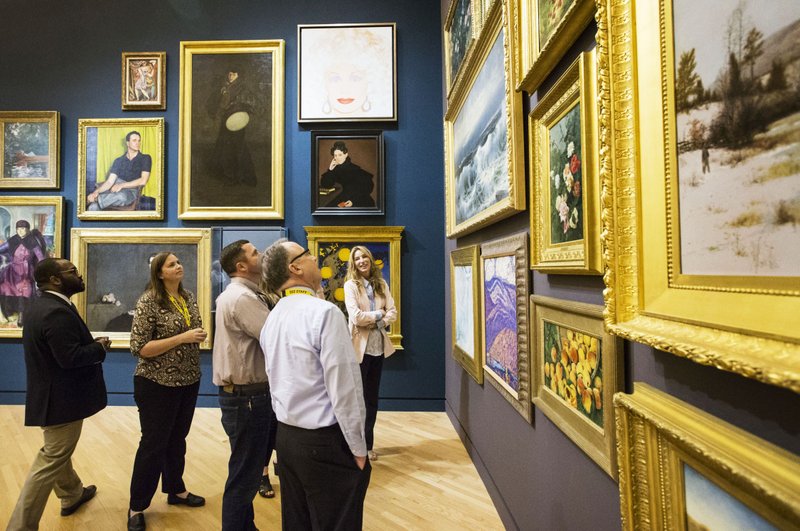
<point>544,39</point>
<point>29,146</point>
<point>712,320</point>
<point>42,239</point>
<point>504,319</point>
<point>678,465</point>
<point>111,294</point>
<point>231,161</point>
<point>144,81</point>
<point>103,142</point>
<point>485,111</point>
<point>577,368</point>
<point>455,37</point>
<point>565,172</point>
<point>465,303</point>
<point>331,246</point>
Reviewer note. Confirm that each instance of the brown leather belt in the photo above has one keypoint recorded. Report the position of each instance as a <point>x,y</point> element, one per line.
<point>247,389</point>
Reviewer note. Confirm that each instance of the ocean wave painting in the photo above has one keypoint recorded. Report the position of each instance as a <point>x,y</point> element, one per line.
<point>480,134</point>
<point>500,318</point>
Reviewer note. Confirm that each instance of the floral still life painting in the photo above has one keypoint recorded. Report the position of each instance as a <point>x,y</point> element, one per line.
<point>566,224</point>
<point>573,370</point>
<point>500,316</point>
<point>551,13</point>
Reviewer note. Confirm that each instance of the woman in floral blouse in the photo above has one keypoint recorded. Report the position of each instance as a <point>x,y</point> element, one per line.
<point>166,336</point>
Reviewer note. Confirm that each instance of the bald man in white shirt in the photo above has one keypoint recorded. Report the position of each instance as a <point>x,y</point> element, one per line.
<point>317,397</point>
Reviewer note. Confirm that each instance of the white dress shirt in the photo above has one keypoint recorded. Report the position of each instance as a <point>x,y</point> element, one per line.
<point>314,378</point>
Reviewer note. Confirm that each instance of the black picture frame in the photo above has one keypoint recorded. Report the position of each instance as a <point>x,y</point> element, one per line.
<point>365,155</point>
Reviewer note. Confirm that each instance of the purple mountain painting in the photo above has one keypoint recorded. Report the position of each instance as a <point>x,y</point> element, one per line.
<point>500,316</point>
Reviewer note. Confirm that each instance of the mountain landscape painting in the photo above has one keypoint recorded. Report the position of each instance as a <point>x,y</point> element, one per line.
<point>737,105</point>
<point>500,319</point>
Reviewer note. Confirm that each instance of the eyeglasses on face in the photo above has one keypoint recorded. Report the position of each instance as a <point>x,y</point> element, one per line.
<point>299,255</point>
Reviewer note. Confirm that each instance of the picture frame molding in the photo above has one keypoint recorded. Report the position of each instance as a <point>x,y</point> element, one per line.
<point>53,120</point>
<point>453,81</point>
<point>468,256</point>
<point>161,103</point>
<point>358,234</point>
<point>117,215</point>
<point>188,49</point>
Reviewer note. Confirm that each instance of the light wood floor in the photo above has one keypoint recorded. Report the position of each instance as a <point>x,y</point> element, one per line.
<point>423,479</point>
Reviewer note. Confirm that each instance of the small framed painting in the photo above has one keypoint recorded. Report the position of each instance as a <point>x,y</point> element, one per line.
<point>465,304</point>
<point>144,81</point>
<point>29,141</point>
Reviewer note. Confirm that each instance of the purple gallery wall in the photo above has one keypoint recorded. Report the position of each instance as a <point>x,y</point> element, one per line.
<point>537,477</point>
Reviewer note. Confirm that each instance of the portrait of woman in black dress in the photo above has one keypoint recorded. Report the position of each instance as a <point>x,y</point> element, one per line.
<point>355,182</point>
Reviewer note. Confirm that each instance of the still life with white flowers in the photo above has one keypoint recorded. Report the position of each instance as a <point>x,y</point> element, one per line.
<point>566,218</point>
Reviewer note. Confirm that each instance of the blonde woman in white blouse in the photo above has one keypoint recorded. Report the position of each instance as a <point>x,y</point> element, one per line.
<point>370,308</point>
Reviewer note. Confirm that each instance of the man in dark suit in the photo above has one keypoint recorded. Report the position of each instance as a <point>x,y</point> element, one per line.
<point>64,386</point>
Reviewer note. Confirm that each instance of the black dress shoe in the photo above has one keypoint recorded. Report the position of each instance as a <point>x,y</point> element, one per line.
<point>87,494</point>
<point>136,522</point>
<point>191,500</point>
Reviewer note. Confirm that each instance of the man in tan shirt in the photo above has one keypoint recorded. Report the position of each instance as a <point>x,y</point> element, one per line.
<point>238,366</point>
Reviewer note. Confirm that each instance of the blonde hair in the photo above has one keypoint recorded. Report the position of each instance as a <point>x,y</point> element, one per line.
<point>375,278</point>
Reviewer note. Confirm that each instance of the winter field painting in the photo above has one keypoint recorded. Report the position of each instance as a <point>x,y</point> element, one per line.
<point>500,318</point>
<point>480,134</point>
<point>737,104</point>
<point>465,319</point>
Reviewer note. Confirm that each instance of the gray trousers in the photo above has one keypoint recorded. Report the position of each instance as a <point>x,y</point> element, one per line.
<point>111,199</point>
<point>51,469</point>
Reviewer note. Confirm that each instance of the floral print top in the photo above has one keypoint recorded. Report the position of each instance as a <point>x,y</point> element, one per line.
<point>178,366</point>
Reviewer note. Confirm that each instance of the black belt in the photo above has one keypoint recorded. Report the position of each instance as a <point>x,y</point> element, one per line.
<point>247,389</point>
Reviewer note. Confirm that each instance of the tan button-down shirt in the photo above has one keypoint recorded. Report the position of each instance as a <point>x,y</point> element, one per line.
<point>241,314</point>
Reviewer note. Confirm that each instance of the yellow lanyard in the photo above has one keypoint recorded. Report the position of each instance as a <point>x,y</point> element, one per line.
<point>298,291</point>
<point>182,309</point>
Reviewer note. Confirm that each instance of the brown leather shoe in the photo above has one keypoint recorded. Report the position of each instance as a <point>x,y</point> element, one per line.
<point>87,494</point>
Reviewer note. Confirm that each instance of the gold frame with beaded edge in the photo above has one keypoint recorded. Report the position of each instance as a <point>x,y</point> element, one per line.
<point>496,28</point>
<point>668,451</point>
<point>718,321</point>
<point>467,257</point>
<point>52,159</point>
<point>216,53</point>
<point>129,101</point>
<point>325,242</point>
<point>576,88</point>
<point>576,396</point>
<point>515,246</point>
<point>155,240</point>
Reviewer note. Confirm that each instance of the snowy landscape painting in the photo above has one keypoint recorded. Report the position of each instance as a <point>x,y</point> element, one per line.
<point>465,319</point>
<point>737,105</point>
<point>500,318</point>
<point>480,141</point>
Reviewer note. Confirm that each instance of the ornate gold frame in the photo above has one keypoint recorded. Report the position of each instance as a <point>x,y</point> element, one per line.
<point>390,235</point>
<point>578,86</point>
<point>161,103</point>
<point>752,332</point>
<point>188,50</point>
<point>81,239</point>
<point>517,246</point>
<point>452,81</point>
<point>58,203</point>
<point>53,120</point>
<point>157,156</point>
<point>599,444</point>
<point>536,59</point>
<point>658,434</point>
<point>469,257</point>
<point>496,24</point>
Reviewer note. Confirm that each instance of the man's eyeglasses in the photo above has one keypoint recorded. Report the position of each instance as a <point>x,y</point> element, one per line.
<point>299,255</point>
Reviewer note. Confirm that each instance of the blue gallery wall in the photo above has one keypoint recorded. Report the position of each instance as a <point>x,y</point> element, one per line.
<point>65,56</point>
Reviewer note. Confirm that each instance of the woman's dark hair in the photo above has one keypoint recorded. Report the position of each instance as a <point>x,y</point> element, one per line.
<point>339,146</point>
<point>156,285</point>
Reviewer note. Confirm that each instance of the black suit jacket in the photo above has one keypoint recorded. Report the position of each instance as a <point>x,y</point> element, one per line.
<point>63,362</point>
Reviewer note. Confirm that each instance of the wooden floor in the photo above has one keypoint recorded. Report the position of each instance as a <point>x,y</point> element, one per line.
<point>423,479</point>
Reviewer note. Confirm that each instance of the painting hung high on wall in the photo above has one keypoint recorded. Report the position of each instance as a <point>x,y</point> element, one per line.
<point>29,141</point>
<point>347,172</point>
<point>118,263</point>
<point>144,81</point>
<point>483,135</point>
<point>346,72</point>
<point>504,325</point>
<point>703,228</point>
<point>121,168</point>
<point>332,246</point>
<point>460,30</point>
<point>465,310</point>
<point>231,130</point>
<point>30,231</point>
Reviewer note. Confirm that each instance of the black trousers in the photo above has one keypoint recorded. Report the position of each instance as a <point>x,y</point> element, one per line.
<point>165,415</point>
<point>322,488</point>
<point>371,367</point>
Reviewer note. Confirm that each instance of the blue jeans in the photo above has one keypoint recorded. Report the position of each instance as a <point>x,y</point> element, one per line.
<point>246,420</point>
